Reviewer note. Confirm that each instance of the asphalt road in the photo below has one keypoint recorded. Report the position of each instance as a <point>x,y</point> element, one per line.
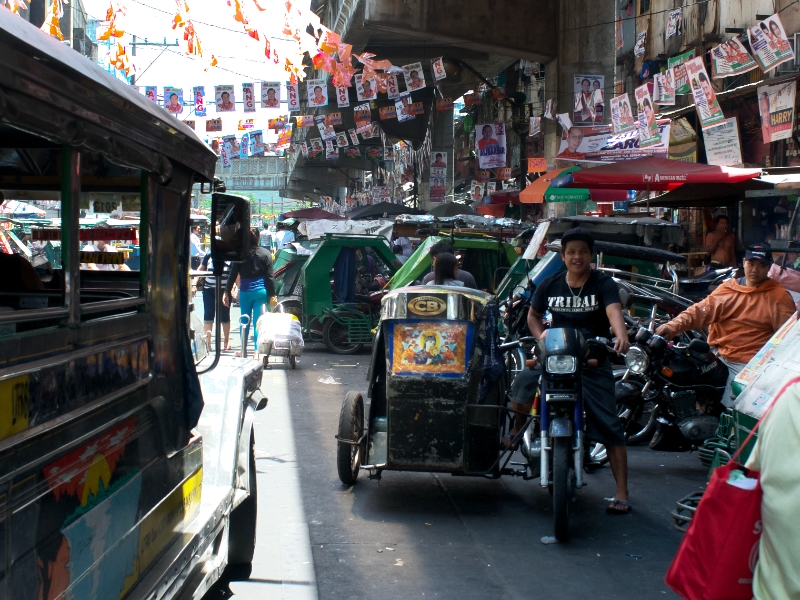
<point>411,535</point>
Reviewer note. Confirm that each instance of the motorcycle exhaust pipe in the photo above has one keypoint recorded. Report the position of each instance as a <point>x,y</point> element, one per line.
<point>544,460</point>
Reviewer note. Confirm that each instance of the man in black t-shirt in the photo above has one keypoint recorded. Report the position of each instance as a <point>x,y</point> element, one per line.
<point>587,300</point>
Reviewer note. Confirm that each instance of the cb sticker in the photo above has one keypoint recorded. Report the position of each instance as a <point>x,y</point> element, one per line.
<point>427,306</point>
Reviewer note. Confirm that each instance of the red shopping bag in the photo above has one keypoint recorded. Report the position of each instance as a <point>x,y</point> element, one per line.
<point>718,554</point>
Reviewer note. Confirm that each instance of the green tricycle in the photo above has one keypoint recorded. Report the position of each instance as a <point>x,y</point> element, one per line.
<point>334,286</point>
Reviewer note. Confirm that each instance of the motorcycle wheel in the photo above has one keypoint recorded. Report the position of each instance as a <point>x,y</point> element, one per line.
<point>351,426</point>
<point>562,447</point>
<point>334,334</point>
<point>515,362</point>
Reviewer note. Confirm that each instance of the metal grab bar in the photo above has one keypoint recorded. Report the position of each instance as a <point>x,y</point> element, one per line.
<point>36,314</point>
<point>96,307</point>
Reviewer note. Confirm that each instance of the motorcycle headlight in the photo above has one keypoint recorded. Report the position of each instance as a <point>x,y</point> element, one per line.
<point>637,360</point>
<point>560,365</point>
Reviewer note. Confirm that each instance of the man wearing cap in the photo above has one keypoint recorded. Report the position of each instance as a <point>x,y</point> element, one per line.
<point>587,300</point>
<point>741,314</point>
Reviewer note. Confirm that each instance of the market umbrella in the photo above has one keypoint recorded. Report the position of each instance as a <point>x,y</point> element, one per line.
<point>311,214</point>
<point>21,210</point>
<point>451,209</point>
<point>657,174</point>
<point>550,187</point>
<point>375,211</point>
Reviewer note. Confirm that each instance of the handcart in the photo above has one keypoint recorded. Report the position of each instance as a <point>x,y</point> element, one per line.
<point>279,334</point>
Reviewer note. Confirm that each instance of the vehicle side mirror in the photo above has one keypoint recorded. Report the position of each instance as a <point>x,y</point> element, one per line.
<point>230,228</point>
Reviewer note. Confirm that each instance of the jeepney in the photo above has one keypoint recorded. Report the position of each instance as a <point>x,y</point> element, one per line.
<point>123,473</point>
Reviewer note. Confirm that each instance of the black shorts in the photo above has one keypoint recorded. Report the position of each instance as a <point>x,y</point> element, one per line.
<point>208,308</point>
<point>599,403</point>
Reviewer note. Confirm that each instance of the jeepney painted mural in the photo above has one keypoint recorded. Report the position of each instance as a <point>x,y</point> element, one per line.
<point>429,348</point>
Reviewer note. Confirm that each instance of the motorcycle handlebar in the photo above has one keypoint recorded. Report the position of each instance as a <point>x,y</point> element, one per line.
<point>517,343</point>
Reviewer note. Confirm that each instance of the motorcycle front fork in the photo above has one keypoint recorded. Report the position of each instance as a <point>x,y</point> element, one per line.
<point>577,458</point>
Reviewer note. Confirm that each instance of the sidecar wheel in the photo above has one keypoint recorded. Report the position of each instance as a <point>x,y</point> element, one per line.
<point>351,426</point>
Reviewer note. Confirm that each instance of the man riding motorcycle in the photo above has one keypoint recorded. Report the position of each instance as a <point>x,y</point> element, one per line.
<point>587,300</point>
<point>741,314</point>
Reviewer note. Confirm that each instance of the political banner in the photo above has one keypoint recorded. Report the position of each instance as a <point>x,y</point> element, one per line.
<point>230,143</point>
<point>584,87</point>
<point>304,149</point>
<point>437,66</point>
<point>173,99</point>
<point>392,87</point>
<point>563,120</point>
<point>363,118</point>
<point>472,99</point>
<point>387,112</point>
<point>504,173</point>
<point>674,23</point>
<point>292,97</point>
<point>402,106</point>
<point>664,88</point>
<point>248,93</point>
<point>305,120</point>
<point>491,145</point>
<point>317,92</point>
<point>776,106</point>
<point>638,49</point>
<point>224,98</point>
<point>534,126</point>
<point>351,152</point>
<point>621,114</point>
<point>705,99</point>
<point>333,118</point>
<point>599,144</point>
<point>444,104</point>
<point>415,78</point>
<point>327,132</point>
<point>491,188</point>
<point>648,130</point>
<point>224,154</point>
<point>722,144</point>
<point>199,94</point>
<point>681,78</point>
<point>342,96</point>
<point>341,139</point>
<point>316,147</point>
<point>245,124</point>
<point>537,165</point>
<point>365,90</point>
<point>353,136</point>
<point>257,143</point>
<point>438,189</point>
<point>213,125</point>
<point>730,58</point>
<point>190,124</point>
<point>373,132</point>
<point>244,147</point>
<point>416,108</point>
<point>270,94</point>
<point>483,176</point>
<point>476,190</point>
<point>769,43</point>
<point>151,93</point>
<point>439,164</point>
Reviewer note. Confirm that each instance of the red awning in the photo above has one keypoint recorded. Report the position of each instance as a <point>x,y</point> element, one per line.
<point>657,174</point>
<point>492,210</point>
<point>504,197</point>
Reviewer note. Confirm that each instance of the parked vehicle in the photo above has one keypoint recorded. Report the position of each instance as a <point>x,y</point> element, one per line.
<point>124,474</point>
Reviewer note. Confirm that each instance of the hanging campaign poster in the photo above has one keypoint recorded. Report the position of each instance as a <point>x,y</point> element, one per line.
<point>270,94</point>
<point>537,165</point>
<point>730,58</point>
<point>402,105</point>
<point>415,78</point>
<point>199,94</point>
<point>341,139</point>
<point>304,149</point>
<point>674,23</point>
<point>664,88</point>
<point>600,144</point>
<point>213,125</point>
<point>230,143</point>
<point>599,102</point>
<point>292,97</point>
<point>769,43</point>
<point>256,143</point>
<point>549,109</point>
<point>190,124</point>
<point>245,124</point>
<point>392,87</point>
<point>491,145</point>
<point>173,99</point>
<point>681,79</point>
<point>305,120</point>
<point>316,147</point>
<point>351,152</point>
<point>365,90</point>
<point>472,99</point>
<point>776,106</point>
<point>244,147</point>
<point>705,99</point>
<point>437,66</point>
<point>563,120</point>
<point>491,188</point>
<point>353,136</point>
<point>151,92</point>
<point>248,93</point>
<point>374,131</point>
<point>584,87</point>
<point>722,144</point>
<point>317,90</point>
<point>534,125</point>
<point>363,118</point>
<point>638,49</point>
<point>326,131</point>
<point>621,114</point>
<point>224,98</point>
<point>444,104</point>
<point>387,112</point>
<point>333,118</point>
<point>476,190</point>
<point>342,96</point>
<point>224,154</point>
<point>439,164</point>
<point>438,189</point>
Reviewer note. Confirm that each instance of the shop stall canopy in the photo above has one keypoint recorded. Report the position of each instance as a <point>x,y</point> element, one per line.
<point>550,187</point>
<point>657,174</point>
<point>382,209</point>
<point>451,209</point>
<point>312,214</point>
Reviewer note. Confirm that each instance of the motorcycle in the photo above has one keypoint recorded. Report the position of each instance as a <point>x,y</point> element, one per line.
<point>685,382</point>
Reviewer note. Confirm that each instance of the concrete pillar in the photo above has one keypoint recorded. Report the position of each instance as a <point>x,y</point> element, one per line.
<point>442,141</point>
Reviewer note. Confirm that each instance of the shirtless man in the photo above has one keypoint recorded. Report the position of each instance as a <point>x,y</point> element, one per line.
<point>721,243</point>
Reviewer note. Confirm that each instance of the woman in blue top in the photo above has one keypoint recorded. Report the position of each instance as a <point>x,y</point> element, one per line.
<point>256,286</point>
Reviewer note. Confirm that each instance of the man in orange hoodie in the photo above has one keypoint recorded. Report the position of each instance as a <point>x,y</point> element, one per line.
<point>741,314</point>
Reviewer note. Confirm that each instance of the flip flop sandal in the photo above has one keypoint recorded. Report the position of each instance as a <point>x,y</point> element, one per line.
<point>613,510</point>
<point>505,442</point>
